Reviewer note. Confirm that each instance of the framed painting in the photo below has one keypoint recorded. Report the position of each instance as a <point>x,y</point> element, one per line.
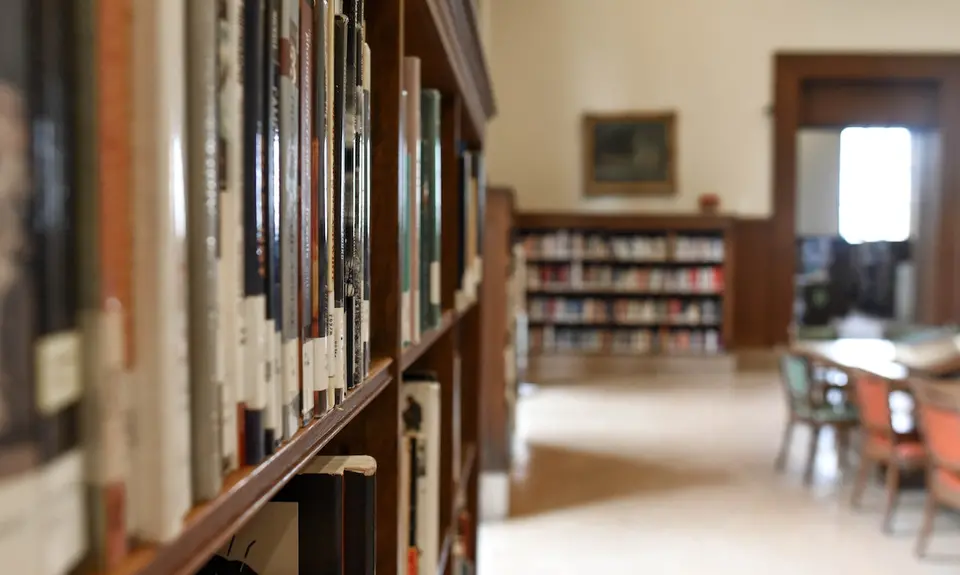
<point>629,154</point>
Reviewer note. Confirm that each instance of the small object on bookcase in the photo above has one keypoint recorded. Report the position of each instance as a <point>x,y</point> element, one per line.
<point>709,203</point>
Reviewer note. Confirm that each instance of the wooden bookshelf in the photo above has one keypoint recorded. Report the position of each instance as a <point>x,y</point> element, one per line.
<point>625,285</point>
<point>444,34</point>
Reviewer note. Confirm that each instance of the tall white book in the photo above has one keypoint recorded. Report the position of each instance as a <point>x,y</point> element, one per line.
<point>230,175</point>
<point>421,424</point>
<point>160,493</point>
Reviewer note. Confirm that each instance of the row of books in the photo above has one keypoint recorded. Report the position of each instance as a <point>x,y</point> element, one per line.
<point>554,339</point>
<point>420,210</point>
<point>598,277</point>
<point>322,521</point>
<point>185,253</point>
<point>564,244</point>
<point>623,311</point>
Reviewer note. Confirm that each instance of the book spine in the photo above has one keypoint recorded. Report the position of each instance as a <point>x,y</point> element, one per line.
<point>161,448</point>
<point>338,228</point>
<point>406,260</point>
<point>289,113</point>
<point>203,250</point>
<point>257,366</point>
<point>273,426</point>
<point>230,180</point>
<point>367,190</point>
<point>350,194</point>
<point>108,336</point>
<point>463,191</point>
<point>320,191</point>
<point>411,80</point>
<point>20,449</point>
<point>480,176</point>
<point>305,324</point>
<point>430,268</point>
<point>425,494</point>
<point>60,517</point>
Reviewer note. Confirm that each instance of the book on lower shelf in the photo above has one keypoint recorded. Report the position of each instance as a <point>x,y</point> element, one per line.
<point>322,521</point>
<point>420,474</point>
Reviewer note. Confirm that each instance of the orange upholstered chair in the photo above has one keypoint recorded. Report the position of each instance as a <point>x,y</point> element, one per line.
<point>940,424</point>
<point>881,444</point>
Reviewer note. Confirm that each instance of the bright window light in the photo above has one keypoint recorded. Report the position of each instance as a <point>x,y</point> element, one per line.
<point>875,187</point>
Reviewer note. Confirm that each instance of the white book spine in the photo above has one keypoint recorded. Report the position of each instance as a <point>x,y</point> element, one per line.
<point>21,541</point>
<point>161,444</point>
<point>61,513</point>
<point>255,370</point>
<point>291,387</point>
<point>427,395</point>
<point>231,231</point>
<point>331,350</point>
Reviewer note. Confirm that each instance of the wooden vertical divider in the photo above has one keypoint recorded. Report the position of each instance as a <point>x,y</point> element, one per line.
<point>385,33</point>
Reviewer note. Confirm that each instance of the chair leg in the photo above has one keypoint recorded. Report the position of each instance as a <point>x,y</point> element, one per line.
<point>863,474</point>
<point>893,495</point>
<point>812,454</point>
<point>926,529</point>
<point>785,445</point>
<point>843,446</point>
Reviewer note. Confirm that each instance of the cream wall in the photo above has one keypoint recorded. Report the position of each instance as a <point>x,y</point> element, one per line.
<point>710,60</point>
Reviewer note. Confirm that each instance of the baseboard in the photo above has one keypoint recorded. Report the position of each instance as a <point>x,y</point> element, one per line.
<point>581,368</point>
<point>494,488</point>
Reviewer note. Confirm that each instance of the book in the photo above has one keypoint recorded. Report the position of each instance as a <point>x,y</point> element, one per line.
<point>414,147</point>
<point>350,194</point>
<point>20,446</point>
<point>289,205</point>
<point>205,346</point>
<point>367,191</point>
<point>103,126</point>
<point>160,485</point>
<point>403,210</point>
<point>273,422</point>
<point>421,457</point>
<point>306,221</point>
<point>322,521</point>
<point>339,223</point>
<point>321,189</point>
<point>430,209</point>
<point>230,184</point>
<point>257,367</point>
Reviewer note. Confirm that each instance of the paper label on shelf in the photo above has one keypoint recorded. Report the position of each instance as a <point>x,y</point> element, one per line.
<point>405,328</point>
<point>308,374</point>
<point>435,283</point>
<point>58,371</point>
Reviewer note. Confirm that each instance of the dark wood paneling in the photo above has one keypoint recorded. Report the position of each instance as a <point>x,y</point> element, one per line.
<point>497,246</point>
<point>830,103</point>
<point>750,290</point>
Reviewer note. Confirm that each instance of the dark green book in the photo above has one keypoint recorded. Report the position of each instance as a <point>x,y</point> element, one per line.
<point>430,210</point>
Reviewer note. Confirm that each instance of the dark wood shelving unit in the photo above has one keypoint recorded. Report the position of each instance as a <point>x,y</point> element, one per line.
<point>667,226</point>
<point>444,35</point>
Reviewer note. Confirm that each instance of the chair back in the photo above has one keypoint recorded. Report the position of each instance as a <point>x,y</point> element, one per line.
<point>873,401</point>
<point>940,424</point>
<point>795,374</point>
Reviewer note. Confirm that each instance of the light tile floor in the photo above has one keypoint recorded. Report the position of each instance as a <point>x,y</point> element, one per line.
<point>674,475</point>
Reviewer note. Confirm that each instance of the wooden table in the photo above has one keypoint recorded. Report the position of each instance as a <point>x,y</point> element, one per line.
<point>876,357</point>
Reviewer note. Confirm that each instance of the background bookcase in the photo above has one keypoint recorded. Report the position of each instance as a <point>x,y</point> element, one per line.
<point>627,285</point>
<point>445,36</point>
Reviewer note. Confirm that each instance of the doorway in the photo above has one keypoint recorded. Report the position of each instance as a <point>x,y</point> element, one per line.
<point>832,92</point>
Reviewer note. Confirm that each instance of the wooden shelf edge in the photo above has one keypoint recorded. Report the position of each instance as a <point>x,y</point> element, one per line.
<point>209,525</point>
<point>413,352</point>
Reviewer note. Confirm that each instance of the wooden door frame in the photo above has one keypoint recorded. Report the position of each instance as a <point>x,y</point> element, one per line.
<point>790,72</point>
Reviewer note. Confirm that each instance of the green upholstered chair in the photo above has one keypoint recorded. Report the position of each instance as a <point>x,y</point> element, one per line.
<point>817,404</point>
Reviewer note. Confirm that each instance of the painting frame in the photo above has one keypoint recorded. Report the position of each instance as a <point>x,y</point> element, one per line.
<point>662,183</point>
